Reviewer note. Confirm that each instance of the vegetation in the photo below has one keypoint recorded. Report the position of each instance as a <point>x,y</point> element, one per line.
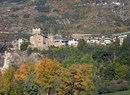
<point>81,70</point>
<point>24,46</point>
<point>59,16</point>
<point>120,93</point>
<point>47,77</point>
<point>3,48</point>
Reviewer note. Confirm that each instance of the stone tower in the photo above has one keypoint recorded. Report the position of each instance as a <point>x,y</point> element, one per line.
<point>37,40</point>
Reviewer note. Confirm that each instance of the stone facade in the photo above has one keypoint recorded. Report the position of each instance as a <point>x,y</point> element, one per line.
<point>37,40</point>
<point>50,40</point>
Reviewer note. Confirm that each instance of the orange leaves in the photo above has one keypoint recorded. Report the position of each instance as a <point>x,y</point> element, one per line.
<point>72,31</point>
<point>62,9</point>
<point>82,75</point>
<point>24,71</point>
<point>50,74</point>
<point>124,70</point>
<point>47,70</point>
<point>122,28</point>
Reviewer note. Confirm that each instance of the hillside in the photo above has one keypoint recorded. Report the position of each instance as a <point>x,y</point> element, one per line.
<point>60,16</point>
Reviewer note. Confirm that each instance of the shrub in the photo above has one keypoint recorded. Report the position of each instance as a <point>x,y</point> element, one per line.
<point>24,46</point>
<point>29,51</point>
<point>114,86</point>
<point>43,9</point>
<point>26,15</point>
<point>3,48</point>
<point>41,18</point>
<point>15,9</point>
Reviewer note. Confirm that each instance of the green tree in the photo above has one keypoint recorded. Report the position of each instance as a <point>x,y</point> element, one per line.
<point>3,48</point>
<point>82,45</point>
<point>30,86</point>
<point>24,46</point>
<point>29,51</point>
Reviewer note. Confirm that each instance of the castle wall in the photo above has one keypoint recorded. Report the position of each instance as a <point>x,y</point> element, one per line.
<point>37,40</point>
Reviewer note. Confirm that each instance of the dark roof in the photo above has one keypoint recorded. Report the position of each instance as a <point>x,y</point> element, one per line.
<point>60,39</point>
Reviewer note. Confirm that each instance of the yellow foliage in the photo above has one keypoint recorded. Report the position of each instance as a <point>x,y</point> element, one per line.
<point>124,70</point>
<point>46,71</point>
<point>24,70</point>
<point>6,79</point>
<point>50,74</point>
<point>82,75</point>
<point>62,9</point>
<point>122,28</point>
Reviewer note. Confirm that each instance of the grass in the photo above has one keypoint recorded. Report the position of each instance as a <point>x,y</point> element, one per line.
<point>120,93</point>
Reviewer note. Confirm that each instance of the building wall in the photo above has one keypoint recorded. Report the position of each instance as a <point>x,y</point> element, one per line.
<point>50,40</point>
<point>37,40</point>
<point>57,44</point>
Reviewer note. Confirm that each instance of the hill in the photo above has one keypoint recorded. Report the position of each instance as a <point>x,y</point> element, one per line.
<point>60,16</point>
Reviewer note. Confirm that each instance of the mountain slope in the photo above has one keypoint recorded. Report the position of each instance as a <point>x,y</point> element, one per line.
<point>59,16</point>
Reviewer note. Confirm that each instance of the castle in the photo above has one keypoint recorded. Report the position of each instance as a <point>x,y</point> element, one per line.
<point>40,41</point>
<point>37,40</point>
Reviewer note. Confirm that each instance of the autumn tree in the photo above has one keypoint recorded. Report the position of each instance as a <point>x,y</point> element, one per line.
<point>47,73</point>
<point>23,72</point>
<point>82,76</point>
<point>9,86</point>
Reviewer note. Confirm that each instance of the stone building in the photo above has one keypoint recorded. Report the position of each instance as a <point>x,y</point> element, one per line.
<point>121,39</point>
<point>50,40</point>
<point>56,40</point>
<point>37,40</point>
<point>40,41</point>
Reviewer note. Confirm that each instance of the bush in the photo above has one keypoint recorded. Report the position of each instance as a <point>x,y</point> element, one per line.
<point>24,46</point>
<point>43,9</point>
<point>15,9</point>
<point>26,15</point>
<point>114,86</point>
<point>128,76</point>
<point>29,51</point>
<point>3,48</point>
<point>41,18</point>
<point>127,22</point>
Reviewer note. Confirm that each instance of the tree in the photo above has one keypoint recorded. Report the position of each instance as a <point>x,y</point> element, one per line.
<point>24,46</point>
<point>30,86</point>
<point>3,48</point>
<point>82,45</point>
<point>47,74</point>
<point>29,51</point>
<point>82,76</point>
<point>103,55</point>
<point>9,85</point>
<point>23,72</point>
